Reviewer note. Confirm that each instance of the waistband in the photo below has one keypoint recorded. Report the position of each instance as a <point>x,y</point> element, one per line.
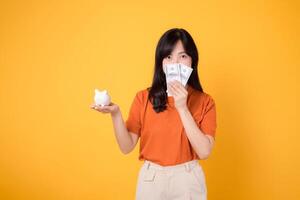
<point>183,166</point>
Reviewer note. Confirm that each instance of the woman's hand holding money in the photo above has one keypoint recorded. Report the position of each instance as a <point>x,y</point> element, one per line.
<point>179,94</point>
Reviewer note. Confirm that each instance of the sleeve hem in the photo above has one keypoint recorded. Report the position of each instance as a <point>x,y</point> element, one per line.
<point>135,130</point>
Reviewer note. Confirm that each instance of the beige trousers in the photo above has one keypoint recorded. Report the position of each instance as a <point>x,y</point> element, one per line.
<point>184,181</point>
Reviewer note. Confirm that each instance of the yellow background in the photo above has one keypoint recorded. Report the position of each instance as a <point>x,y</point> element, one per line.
<point>53,54</point>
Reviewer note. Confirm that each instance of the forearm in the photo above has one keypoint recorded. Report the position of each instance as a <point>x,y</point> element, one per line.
<point>122,135</point>
<point>197,138</point>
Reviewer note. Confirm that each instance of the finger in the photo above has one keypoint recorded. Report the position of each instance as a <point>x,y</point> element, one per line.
<point>105,111</point>
<point>169,87</point>
<point>98,107</point>
<point>174,90</point>
<point>182,90</point>
<point>94,107</point>
<point>175,85</point>
<point>180,87</point>
<point>179,91</point>
<point>176,82</point>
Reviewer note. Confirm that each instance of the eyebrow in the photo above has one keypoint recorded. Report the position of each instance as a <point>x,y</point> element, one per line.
<point>181,52</point>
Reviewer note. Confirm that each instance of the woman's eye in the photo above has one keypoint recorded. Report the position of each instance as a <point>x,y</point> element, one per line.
<point>183,56</point>
<point>168,57</point>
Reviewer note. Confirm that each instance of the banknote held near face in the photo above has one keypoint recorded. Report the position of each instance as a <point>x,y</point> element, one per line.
<point>177,71</point>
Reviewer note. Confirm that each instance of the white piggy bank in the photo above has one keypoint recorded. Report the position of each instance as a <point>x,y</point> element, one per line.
<point>101,98</point>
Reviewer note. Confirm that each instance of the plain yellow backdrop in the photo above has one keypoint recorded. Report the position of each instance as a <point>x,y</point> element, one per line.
<point>53,54</point>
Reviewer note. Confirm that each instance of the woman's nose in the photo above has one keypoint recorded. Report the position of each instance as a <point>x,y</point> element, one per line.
<point>175,60</point>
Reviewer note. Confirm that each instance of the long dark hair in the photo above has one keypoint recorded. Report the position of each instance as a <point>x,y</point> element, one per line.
<point>157,92</point>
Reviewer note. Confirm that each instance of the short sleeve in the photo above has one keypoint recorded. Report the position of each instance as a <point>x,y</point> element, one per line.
<point>208,124</point>
<point>133,122</point>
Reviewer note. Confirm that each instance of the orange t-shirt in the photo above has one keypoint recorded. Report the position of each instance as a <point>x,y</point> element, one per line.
<point>163,139</point>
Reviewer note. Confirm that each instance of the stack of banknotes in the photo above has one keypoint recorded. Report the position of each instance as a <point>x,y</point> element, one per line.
<point>177,71</point>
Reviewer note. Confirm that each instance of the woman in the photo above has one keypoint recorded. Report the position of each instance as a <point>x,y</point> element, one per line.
<point>175,131</point>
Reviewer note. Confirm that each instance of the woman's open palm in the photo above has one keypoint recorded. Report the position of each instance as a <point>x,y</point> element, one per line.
<point>111,108</point>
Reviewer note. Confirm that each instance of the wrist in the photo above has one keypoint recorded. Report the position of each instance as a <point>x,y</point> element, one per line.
<point>116,112</point>
<point>183,109</point>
